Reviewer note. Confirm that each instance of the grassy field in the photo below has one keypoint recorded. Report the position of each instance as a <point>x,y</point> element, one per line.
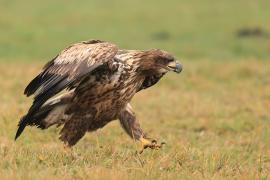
<point>214,116</point>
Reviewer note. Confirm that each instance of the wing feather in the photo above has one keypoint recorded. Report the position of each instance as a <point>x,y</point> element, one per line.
<point>67,68</point>
<point>73,62</point>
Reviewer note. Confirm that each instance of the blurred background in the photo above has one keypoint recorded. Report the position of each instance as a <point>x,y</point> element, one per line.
<point>36,30</point>
<point>214,116</point>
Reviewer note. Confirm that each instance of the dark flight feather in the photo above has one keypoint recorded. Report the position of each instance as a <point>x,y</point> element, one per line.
<point>65,69</point>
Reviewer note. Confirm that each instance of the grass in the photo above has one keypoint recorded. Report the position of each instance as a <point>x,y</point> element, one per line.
<point>214,116</point>
<point>34,30</point>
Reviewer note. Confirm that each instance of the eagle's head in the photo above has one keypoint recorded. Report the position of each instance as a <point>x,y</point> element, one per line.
<point>156,61</point>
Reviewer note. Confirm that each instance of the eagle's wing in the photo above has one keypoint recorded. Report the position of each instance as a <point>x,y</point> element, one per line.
<point>69,67</point>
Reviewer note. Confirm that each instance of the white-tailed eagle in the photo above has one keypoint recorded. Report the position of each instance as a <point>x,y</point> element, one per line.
<point>97,81</point>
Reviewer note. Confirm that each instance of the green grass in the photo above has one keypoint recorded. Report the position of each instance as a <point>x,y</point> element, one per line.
<point>214,116</point>
<point>37,30</point>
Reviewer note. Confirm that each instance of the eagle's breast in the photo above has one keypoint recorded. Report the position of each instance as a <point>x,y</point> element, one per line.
<point>105,93</point>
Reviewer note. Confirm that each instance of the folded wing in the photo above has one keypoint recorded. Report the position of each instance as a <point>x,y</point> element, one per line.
<point>67,68</point>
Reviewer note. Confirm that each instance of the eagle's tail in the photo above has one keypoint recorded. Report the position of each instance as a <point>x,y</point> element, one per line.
<point>52,112</point>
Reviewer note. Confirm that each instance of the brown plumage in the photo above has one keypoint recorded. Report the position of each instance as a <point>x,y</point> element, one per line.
<point>98,81</point>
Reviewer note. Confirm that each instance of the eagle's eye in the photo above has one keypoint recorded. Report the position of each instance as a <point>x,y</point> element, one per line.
<point>164,61</point>
<point>171,59</point>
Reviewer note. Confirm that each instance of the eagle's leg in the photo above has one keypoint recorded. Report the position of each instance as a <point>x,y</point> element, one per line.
<point>74,130</point>
<point>132,127</point>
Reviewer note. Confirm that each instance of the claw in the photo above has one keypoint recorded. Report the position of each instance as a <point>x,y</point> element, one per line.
<point>150,144</point>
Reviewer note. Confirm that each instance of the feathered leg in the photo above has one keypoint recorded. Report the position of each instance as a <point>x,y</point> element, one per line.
<point>132,127</point>
<point>73,130</point>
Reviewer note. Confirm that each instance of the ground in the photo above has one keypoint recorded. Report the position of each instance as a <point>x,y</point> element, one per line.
<point>214,116</point>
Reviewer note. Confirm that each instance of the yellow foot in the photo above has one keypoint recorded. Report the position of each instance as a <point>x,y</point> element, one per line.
<point>152,144</point>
